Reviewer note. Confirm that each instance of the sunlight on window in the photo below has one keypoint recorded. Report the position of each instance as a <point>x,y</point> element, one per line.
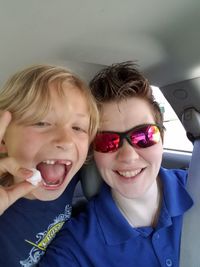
<point>175,135</point>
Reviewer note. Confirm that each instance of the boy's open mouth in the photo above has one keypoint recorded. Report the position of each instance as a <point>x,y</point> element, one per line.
<point>53,172</point>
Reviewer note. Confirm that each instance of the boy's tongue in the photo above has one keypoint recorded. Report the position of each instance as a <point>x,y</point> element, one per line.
<point>52,173</point>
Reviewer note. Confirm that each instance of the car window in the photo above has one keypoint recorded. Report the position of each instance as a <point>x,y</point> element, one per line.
<point>175,135</point>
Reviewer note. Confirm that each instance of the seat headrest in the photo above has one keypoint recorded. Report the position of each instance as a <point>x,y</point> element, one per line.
<point>90,179</point>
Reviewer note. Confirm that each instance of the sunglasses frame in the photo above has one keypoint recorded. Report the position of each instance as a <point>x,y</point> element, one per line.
<point>126,135</point>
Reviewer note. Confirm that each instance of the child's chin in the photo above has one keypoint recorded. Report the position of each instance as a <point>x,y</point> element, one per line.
<point>45,195</point>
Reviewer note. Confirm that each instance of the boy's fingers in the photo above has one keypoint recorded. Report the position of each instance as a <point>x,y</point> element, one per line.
<point>5,118</point>
<point>8,195</point>
<point>10,165</point>
<point>24,173</point>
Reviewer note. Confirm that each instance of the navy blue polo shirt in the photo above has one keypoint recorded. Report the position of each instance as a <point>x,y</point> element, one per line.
<point>102,237</point>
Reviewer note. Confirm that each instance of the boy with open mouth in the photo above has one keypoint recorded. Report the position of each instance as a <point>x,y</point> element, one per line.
<point>48,119</point>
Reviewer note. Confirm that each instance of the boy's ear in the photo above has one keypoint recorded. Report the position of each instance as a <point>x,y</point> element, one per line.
<point>3,148</point>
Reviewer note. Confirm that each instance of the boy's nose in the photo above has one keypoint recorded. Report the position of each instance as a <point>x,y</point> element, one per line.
<point>63,139</point>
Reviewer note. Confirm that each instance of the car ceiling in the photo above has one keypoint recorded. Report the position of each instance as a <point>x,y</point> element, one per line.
<point>162,36</point>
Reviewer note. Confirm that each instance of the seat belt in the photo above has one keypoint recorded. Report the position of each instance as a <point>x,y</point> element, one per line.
<point>190,240</point>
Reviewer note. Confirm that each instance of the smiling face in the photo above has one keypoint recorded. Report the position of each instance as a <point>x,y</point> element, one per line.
<point>57,145</point>
<point>129,171</point>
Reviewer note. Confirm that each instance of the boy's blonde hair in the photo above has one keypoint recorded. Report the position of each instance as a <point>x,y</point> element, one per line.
<point>29,88</point>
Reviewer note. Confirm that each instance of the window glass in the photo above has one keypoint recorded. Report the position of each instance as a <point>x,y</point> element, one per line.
<point>175,134</point>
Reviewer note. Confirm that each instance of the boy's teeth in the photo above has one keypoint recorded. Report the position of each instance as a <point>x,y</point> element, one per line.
<point>129,173</point>
<point>52,162</point>
<point>49,161</point>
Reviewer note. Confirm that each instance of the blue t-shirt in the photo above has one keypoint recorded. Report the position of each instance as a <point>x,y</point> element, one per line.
<point>28,226</point>
<point>101,237</point>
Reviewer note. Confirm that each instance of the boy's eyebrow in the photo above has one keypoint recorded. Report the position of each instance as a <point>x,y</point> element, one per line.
<point>82,115</point>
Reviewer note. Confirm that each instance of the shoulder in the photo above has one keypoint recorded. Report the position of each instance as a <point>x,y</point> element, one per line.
<point>77,226</point>
<point>175,194</point>
<point>73,235</point>
<point>174,174</point>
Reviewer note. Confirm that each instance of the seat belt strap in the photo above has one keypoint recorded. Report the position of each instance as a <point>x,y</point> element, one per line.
<point>190,240</point>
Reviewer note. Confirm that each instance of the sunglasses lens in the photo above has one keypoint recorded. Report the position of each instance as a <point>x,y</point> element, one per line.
<point>106,142</point>
<point>145,137</point>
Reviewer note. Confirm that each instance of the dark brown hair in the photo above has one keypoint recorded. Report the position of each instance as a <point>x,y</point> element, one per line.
<point>123,80</point>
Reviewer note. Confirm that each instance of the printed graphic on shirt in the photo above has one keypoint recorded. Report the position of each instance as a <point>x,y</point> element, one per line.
<point>44,238</point>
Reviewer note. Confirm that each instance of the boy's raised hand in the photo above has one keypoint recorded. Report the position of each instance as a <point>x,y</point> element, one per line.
<point>8,195</point>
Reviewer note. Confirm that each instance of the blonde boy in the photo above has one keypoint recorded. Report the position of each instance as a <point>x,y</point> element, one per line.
<point>48,120</point>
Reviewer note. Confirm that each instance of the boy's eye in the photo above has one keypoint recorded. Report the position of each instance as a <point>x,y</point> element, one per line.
<point>42,124</point>
<point>80,129</point>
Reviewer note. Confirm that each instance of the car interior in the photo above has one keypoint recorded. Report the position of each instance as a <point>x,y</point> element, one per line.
<point>162,37</point>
